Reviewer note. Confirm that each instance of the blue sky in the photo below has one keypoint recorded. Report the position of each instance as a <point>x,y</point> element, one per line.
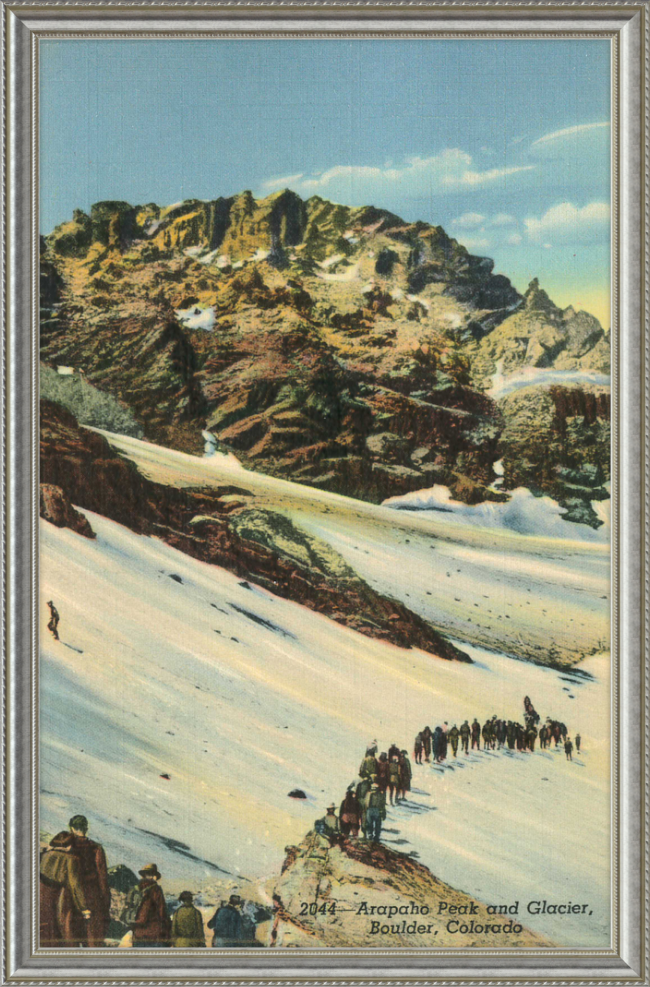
<point>505,143</point>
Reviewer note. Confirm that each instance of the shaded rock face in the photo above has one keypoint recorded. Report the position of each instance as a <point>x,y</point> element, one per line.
<point>217,527</point>
<point>345,882</point>
<point>297,332</point>
<point>57,509</point>
<point>556,441</point>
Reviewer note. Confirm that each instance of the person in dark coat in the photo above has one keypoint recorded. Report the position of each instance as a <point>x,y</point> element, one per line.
<point>383,772</point>
<point>64,908</point>
<point>465,732</point>
<point>94,875</point>
<point>53,622</point>
<point>436,743</point>
<point>75,930</point>
<point>542,738</point>
<point>405,774</point>
<point>393,751</point>
<point>442,745</point>
<point>226,924</point>
<point>454,735</point>
<point>426,742</point>
<point>152,927</point>
<point>531,737</point>
<point>418,747</point>
<point>568,748</point>
<point>350,814</point>
<point>476,734</point>
<point>187,924</point>
<point>578,738</point>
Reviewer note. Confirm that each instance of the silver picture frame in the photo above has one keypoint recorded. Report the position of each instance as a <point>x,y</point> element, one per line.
<point>24,25</point>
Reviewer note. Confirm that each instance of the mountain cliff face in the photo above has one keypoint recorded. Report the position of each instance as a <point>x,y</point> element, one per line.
<point>339,347</point>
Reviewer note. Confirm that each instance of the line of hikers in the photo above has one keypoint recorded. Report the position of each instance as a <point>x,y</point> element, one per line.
<point>364,805</point>
<point>495,733</point>
<point>75,903</point>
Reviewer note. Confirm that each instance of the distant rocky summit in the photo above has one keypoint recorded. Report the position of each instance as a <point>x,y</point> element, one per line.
<point>338,347</point>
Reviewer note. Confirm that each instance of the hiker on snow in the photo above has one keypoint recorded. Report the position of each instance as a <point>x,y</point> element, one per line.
<point>53,622</point>
<point>375,812</point>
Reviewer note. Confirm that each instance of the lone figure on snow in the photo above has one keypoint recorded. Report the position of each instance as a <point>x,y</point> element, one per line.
<point>53,622</point>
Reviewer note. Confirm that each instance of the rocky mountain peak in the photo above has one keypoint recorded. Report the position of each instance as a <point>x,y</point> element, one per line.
<point>537,300</point>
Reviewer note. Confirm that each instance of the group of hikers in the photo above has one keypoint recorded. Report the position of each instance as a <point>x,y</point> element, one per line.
<point>75,903</point>
<point>496,733</point>
<point>387,776</point>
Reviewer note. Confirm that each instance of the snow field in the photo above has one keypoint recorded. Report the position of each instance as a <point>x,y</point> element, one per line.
<point>157,676</point>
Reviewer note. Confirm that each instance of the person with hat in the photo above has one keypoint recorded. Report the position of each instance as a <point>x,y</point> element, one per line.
<point>375,812</point>
<point>330,823</point>
<point>53,622</point>
<point>226,924</point>
<point>151,927</point>
<point>187,924</point>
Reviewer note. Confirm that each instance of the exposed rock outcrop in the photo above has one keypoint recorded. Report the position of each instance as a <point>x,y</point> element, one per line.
<point>57,509</point>
<point>219,527</point>
<point>358,894</point>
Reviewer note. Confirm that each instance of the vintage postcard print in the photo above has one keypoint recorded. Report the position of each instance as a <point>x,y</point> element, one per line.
<point>325,493</point>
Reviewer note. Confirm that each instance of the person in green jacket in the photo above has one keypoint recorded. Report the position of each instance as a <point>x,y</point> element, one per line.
<point>454,734</point>
<point>187,924</point>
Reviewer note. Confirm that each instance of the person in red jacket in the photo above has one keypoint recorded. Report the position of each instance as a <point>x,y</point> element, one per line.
<point>152,926</point>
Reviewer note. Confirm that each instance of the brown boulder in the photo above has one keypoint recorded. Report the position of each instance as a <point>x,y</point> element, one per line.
<point>57,509</point>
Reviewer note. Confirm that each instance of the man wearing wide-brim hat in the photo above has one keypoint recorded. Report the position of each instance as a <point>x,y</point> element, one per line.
<point>152,927</point>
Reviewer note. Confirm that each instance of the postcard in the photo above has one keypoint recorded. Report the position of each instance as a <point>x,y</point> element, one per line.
<point>325,484</point>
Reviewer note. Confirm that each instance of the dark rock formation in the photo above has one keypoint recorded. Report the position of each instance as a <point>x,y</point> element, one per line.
<point>57,509</point>
<point>260,546</point>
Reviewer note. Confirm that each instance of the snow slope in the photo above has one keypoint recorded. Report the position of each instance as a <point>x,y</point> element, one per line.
<point>169,666</point>
<point>523,513</point>
<point>495,587</point>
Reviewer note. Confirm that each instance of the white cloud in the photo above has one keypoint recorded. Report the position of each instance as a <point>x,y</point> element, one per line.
<point>469,220</point>
<point>566,223</point>
<point>485,177</point>
<point>514,239</point>
<point>475,243</point>
<point>578,129</point>
<point>443,172</point>
<point>283,181</point>
<point>502,219</point>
